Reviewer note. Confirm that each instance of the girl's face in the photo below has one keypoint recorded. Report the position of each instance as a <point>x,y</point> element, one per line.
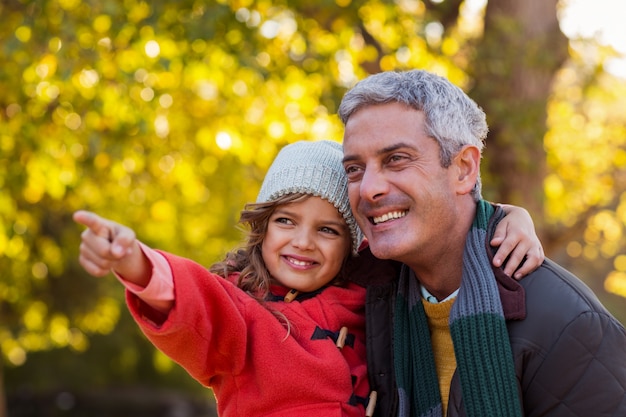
<point>305,244</point>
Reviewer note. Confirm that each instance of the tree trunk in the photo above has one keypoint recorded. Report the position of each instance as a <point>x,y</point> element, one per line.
<point>522,50</point>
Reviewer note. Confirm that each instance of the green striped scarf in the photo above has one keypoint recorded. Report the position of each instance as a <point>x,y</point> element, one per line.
<point>479,334</point>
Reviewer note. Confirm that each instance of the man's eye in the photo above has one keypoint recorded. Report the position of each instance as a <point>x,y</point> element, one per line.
<point>351,169</point>
<point>396,158</point>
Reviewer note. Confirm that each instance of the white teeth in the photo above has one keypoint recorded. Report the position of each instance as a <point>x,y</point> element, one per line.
<point>299,263</point>
<point>389,216</point>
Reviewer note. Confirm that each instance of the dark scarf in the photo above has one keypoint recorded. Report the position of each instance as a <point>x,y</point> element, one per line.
<point>478,329</point>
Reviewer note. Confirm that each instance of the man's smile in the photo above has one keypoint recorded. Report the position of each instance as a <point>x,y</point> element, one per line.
<point>388,216</point>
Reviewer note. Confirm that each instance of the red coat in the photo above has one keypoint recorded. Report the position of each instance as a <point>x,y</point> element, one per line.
<point>256,367</point>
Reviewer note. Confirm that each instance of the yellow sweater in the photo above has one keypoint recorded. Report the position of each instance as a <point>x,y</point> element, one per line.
<point>443,349</point>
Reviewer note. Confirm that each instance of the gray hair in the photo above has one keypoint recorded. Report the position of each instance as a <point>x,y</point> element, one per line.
<point>452,118</point>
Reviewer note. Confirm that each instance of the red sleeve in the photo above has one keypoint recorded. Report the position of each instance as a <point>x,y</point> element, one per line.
<point>206,330</point>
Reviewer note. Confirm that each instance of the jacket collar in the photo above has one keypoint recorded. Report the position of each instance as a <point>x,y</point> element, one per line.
<point>512,294</point>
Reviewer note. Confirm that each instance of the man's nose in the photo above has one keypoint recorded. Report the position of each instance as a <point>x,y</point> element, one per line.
<point>373,184</point>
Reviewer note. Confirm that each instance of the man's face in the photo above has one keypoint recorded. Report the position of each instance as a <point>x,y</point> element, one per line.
<point>402,198</point>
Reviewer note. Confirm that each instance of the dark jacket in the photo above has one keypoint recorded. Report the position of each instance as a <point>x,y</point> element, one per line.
<point>570,353</point>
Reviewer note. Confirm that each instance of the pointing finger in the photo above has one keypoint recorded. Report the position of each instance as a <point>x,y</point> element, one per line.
<point>98,225</point>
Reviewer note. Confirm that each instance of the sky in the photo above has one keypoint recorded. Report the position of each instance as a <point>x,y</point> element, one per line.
<point>603,19</point>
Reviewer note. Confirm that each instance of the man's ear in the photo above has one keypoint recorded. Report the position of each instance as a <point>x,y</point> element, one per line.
<point>467,168</point>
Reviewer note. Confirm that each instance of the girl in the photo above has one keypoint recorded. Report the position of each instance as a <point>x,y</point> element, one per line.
<point>275,329</point>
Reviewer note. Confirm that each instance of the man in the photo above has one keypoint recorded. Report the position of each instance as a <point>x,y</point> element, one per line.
<point>445,338</point>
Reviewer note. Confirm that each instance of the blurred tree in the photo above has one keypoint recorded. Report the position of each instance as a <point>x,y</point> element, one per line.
<point>165,115</point>
<point>528,65</point>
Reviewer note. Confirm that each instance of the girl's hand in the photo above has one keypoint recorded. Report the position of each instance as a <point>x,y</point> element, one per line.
<point>109,246</point>
<point>516,239</point>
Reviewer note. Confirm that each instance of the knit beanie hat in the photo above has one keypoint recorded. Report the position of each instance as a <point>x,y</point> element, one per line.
<point>314,168</point>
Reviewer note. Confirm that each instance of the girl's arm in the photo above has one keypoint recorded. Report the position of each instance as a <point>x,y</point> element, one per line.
<point>110,247</point>
<point>206,331</point>
<point>517,240</point>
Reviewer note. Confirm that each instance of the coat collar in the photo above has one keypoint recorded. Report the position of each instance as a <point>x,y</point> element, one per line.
<point>512,294</point>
